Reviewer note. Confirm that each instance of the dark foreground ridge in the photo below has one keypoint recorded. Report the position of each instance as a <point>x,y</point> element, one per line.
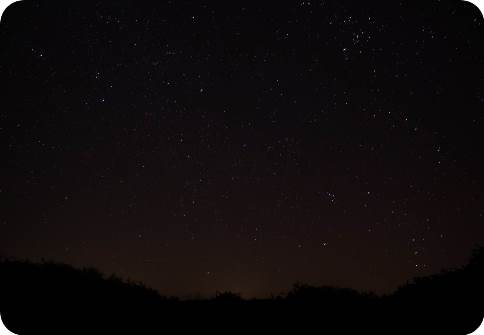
<point>54,298</point>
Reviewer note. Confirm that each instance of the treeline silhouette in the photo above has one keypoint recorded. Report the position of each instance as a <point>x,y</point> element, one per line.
<point>54,298</point>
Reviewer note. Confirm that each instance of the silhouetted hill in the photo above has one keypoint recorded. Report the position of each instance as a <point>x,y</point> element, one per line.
<point>55,298</point>
<point>36,296</point>
<point>455,299</point>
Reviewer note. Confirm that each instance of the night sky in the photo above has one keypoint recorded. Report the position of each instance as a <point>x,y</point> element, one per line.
<point>202,146</point>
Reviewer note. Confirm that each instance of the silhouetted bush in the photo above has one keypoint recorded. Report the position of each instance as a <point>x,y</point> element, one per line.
<point>56,298</point>
<point>227,297</point>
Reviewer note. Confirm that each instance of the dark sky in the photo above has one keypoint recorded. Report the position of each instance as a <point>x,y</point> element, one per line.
<point>207,146</point>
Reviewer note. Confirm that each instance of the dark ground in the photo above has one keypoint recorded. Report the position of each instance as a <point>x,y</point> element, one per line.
<point>55,298</point>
